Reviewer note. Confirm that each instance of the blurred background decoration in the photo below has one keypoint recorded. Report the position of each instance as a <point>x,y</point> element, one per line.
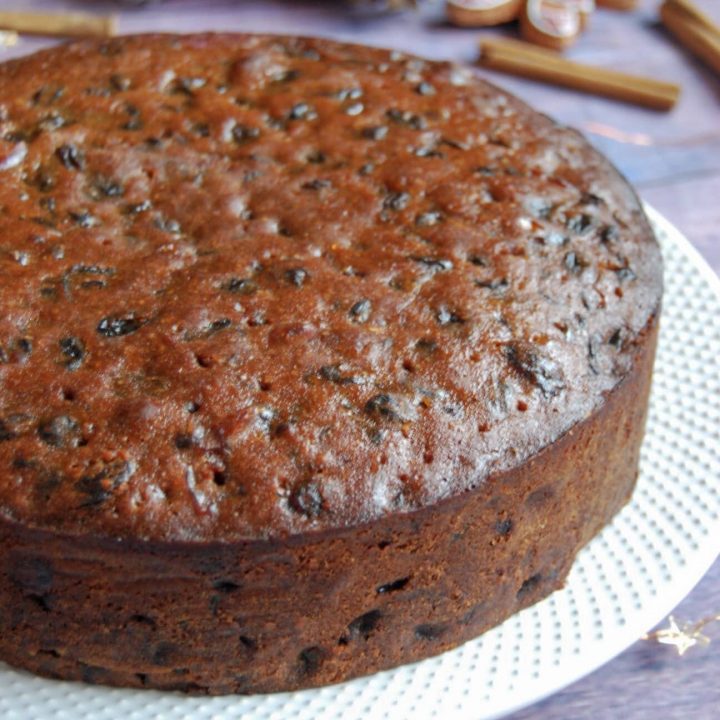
<point>555,25</point>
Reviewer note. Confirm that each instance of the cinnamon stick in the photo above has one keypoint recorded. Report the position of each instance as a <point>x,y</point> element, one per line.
<point>520,58</point>
<point>693,29</point>
<point>618,4</point>
<point>61,24</point>
<point>695,13</point>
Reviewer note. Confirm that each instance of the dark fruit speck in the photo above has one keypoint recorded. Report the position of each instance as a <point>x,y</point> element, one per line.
<point>300,111</point>
<point>504,527</point>
<point>296,276</point>
<point>393,586</point>
<point>310,660</point>
<point>428,219</point>
<point>375,132</point>
<point>433,262</point>
<point>539,369</point>
<point>446,316</point>
<point>60,432</point>
<point>116,326</point>
<point>74,351</point>
<point>71,157</point>
<point>395,408</point>
<point>396,201</point>
<point>429,631</point>
<point>363,626</point>
<point>98,487</point>
<point>625,273</point>
<point>360,311</point>
<point>528,586</point>
<point>318,184</point>
<point>242,286</point>
<point>306,499</point>
<point>497,284</point>
<point>243,133</point>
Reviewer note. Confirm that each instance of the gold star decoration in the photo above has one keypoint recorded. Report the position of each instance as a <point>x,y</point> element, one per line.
<point>682,637</point>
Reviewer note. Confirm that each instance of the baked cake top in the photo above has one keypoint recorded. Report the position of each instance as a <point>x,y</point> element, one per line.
<point>257,286</point>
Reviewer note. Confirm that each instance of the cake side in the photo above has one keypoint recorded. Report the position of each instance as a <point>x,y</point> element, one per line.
<point>259,287</point>
<point>274,615</point>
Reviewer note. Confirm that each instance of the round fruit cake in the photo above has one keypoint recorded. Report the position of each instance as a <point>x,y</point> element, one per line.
<point>315,359</point>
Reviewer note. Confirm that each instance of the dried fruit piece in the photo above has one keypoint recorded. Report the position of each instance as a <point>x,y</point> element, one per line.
<point>360,311</point>
<point>497,284</point>
<point>296,276</point>
<point>393,407</point>
<point>396,201</point>
<point>71,157</point>
<point>15,425</point>
<point>393,586</point>
<point>61,431</point>
<point>319,184</point>
<point>445,316</point>
<point>375,132</point>
<point>310,660</point>
<point>430,631</point>
<point>244,133</point>
<point>407,118</point>
<point>365,625</point>
<point>536,367</point>
<point>301,111</point>
<point>74,351</point>
<point>428,219</point>
<point>242,286</point>
<point>98,487</point>
<point>433,262</point>
<point>118,325</point>
<point>504,526</point>
<point>307,499</point>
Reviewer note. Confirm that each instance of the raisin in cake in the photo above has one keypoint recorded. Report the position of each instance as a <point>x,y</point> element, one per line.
<point>315,359</point>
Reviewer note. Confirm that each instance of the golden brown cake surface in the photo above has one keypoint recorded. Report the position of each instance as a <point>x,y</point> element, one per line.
<point>350,348</point>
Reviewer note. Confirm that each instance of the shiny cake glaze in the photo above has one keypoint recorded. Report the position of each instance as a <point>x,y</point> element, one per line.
<point>257,286</point>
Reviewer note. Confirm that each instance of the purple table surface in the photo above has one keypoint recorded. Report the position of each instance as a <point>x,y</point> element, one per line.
<point>673,159</point>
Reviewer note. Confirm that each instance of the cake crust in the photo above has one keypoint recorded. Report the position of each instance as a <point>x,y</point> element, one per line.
<point>263,286</point>
<point>314,358</point>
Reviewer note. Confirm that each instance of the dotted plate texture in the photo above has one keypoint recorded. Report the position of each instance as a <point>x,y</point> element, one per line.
<point>623,583</point>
